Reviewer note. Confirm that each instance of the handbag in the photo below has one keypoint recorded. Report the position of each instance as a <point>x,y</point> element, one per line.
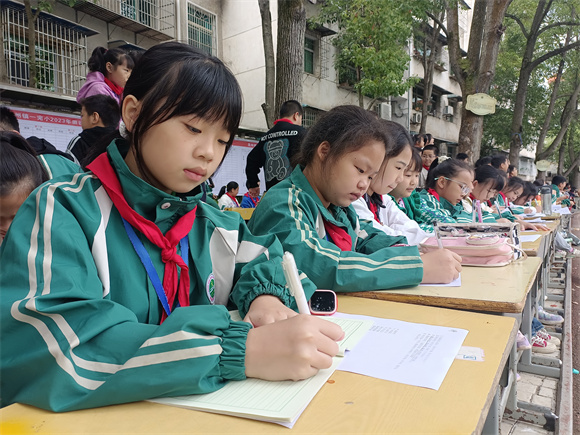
<point>479,244</point>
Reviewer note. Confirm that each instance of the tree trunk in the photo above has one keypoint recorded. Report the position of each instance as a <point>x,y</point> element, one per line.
<point>562,154</point>
<point>31,33</point>
<point>269,105</point>
<point>475,74</point>
<point>429,68</point>
<point>290,50</point>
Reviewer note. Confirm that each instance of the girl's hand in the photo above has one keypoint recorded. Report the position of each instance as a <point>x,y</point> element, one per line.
<point>440,266</point>
<point>534,227</point>
<point>293,349</point>
<point>267,309</point>
<point>504,221</point>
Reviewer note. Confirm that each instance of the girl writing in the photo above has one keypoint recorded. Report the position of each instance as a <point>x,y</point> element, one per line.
<point>447,184</point>
<point>109,71</point>
<point>20,173</point>
<point>227,195</point>
<point>310,211</point>
<point>487,183</point>
<point>376,205</point>
<point>118,281</point>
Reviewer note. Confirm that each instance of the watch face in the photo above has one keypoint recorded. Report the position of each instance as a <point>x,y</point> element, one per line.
<point>323,302</point>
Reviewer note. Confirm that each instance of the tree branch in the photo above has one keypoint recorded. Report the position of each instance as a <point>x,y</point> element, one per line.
<point>551,26</point>
<point>553,53</point>
<point>437,21</point>
<point>519,22</point>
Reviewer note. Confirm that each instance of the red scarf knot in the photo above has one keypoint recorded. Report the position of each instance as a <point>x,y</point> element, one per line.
<point>102,168</point>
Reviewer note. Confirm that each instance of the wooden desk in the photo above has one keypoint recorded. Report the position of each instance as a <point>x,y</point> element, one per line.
<point>349,403</point>
<point>489,289</point>
<point>246,213</point>
<point>538,247</point>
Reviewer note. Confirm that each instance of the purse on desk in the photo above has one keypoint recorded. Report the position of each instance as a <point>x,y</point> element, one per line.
<point>479,244</point>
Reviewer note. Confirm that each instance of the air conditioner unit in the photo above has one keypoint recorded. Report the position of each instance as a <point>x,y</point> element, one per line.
<point>448,110</point>
<point>385,111</point>
<point>416,118</point>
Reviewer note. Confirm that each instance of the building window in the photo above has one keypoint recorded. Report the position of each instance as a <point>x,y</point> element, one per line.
<point>201,29</point>
<point>309,45</point>
<point>61,51</point>
<point>310,116</point>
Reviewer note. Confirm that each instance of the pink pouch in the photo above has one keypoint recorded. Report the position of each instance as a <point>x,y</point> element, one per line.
<point>497,253</point>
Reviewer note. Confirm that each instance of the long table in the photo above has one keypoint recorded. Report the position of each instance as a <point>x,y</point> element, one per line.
<point>348,403</point>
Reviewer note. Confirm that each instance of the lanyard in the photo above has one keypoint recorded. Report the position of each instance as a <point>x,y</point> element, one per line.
<point>148,264</point>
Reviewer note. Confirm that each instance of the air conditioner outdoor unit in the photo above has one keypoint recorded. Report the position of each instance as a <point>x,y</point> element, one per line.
<point>448,110</point>
<point>416,118</point>
<point>385,111</point>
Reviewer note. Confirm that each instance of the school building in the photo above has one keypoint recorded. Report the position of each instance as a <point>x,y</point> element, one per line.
<point>232,31</point>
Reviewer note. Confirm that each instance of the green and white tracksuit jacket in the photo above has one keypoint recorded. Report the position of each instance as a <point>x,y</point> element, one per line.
<point>293,212</point>
<point>501,201</point>
<point>435,209</point>
<point>56,165</point>
<point>80,318</point>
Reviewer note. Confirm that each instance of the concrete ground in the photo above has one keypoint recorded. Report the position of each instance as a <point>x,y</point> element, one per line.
<point>543,390</point>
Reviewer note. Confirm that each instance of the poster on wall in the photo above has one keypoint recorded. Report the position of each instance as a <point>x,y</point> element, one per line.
<point>234,167</point>
<point>55,127</point>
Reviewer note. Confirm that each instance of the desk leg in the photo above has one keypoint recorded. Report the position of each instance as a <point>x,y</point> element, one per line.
<point>491,425</point>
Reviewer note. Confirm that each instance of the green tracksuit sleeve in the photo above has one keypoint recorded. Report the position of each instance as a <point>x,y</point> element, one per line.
<point>80,319</point>
<point>293,213</point>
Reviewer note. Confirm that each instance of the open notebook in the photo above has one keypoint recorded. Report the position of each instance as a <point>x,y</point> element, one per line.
<point>277,402</point>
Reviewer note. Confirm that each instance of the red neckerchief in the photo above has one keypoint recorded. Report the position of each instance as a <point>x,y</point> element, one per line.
<point>505,200</point>
<point>426,167</point>
<point>373,207</point>
<point>233,198</point>
<point>254,200</point>
<point>102,168</point>
<point>283,120</point>
<point>473,198</point>
<point>118,90</point>
<point>435,194</point>
<point>338,236</point>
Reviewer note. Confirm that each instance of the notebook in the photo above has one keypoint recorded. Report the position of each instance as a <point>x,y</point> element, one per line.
<point>277,402</point>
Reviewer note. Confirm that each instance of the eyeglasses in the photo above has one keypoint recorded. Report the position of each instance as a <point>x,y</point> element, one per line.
<point>465,189</point>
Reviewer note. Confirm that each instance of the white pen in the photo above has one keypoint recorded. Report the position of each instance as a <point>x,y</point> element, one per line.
<point>293,282</point>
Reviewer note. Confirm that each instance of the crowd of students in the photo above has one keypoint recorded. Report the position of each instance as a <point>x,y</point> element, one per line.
<point>119,276</point>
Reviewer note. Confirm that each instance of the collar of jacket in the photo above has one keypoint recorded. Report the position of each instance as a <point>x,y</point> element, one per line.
<point>162,208</point>
<point>331,214</point>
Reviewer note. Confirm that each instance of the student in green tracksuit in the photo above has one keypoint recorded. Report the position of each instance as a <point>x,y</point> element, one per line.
<point>115,285</point>
<point>311,213</point>
<point>20,174</point>
<point>447,184</point>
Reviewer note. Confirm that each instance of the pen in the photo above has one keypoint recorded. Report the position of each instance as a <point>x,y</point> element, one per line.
<point>293,282</point>
<point>438,236</point>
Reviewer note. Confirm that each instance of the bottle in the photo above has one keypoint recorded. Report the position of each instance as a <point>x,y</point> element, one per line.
<point>546,193</point>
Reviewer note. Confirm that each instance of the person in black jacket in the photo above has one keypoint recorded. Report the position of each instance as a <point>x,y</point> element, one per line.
<point>275,149</point>
<point>100,117</point>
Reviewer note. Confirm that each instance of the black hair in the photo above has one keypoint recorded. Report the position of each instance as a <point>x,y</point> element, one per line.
<point>530,190</point>
<point>346,128</point>
<point>230,186</point>
<point>498,159</point>
<point>539,182</point>
<point>174,79</point>
<point>249,184</point>
<point>8,120</point>
<point>417,138</point>
<point>461,156</point>
<point>290,107</point>
<point>434,148</point>
<point>428,137</point>
<point>510,169</point>
<point>487,173</point>
<point>483,161</point>
<point>397,138</point>
<point>19,167</point>
<point>416,162</point>
<point>448,168</point>
<point>116,56</point>
<point>558,179</point>
<point>106,106</point>
<point>513,183</point>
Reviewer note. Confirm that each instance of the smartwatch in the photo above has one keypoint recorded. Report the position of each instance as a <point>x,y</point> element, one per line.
<point>323,303</point>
